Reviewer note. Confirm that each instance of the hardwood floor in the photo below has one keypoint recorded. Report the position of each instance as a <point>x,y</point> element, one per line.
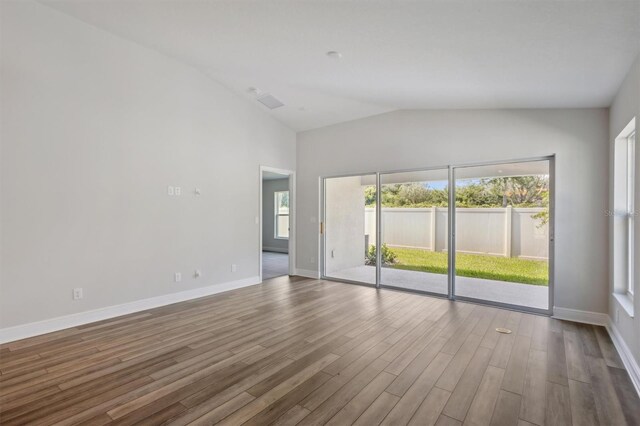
<point>301,351</point>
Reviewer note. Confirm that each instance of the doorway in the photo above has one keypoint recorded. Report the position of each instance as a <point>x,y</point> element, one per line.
<point>276,220</point>
<point>479,232</point>
<point>503,233</point>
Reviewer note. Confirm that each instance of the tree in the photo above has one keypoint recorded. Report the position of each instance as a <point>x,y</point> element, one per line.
<point>543,215</point>
<point>370,195</point>
<point>516,191</point>
<point>476,195</point>
<point>413,193</point>
<point>519,190</point>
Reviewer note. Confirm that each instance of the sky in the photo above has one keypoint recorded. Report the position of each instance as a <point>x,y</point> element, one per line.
<point>442,184</point>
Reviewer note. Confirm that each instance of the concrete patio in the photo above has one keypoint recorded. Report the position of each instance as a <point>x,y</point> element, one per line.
<point>533,296</point>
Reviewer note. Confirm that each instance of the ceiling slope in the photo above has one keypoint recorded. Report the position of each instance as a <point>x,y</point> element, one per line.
<point>395,54</point>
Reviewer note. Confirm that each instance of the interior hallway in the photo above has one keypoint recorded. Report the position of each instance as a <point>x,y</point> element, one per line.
<point>274,264</point>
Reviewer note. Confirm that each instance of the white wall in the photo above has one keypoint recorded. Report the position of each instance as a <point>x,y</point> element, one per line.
<point>269,242</point>
<point>625,106</point>
<point>413,139</point>
<point>94,128</point>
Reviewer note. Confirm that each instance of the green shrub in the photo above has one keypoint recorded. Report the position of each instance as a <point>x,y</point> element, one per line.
<point>388,256</point>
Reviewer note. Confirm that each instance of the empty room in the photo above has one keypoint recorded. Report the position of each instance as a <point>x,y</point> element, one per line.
<point>351,212</point>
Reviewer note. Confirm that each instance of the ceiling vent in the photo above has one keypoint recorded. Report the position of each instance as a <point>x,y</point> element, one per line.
<point>269,101</point>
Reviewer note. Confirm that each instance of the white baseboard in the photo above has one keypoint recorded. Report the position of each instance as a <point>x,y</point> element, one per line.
<point>23,331</point>
<point>307,273</point>
<point>275,249</point>
<point>626,355</point>
<point>586,317</point>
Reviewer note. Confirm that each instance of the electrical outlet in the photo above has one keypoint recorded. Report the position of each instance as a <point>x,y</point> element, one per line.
<point>234,267</point>
<point>177,277</point>
<point>178,191</point>
<point>312,260</point>
<point>197,274</point>
<point>617,315</point>
<point>333,253</point>
<point>170,190</point>
<point>77,293</point>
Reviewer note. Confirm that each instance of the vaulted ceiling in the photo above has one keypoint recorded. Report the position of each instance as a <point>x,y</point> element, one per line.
<point>395,54</point>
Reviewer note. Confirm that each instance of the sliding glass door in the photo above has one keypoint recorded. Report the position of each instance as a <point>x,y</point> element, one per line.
<point>502,231</point>
<point>349,228</point>
<point>476,232</point>
<point>414,222</point>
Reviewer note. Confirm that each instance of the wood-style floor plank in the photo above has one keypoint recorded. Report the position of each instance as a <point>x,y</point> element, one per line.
<point>485,398</point>
<point>629,399</point>
<point>464,392</point>
<point>378,410</point>
<point>429,411</point>
<point>350,412</point>
<point>558,405</point>
<point>533,405</point>
<point>607,403</point>
<point>297,351</point>
<point>583,409</point>
<point>507,409</point>
<point>403,411</point>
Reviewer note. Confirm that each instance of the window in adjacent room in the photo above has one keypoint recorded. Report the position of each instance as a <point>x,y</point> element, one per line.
<point>281,215</point>
<point>631,145</point>
<point>624,216</point>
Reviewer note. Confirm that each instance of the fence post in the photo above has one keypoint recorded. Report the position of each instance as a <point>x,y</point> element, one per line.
<point>434,211</point>
<point>508,212</point>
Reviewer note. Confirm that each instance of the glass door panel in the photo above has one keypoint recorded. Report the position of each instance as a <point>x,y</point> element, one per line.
<point>350,223</point>
<point>502,222</point>
<point>414,227</point>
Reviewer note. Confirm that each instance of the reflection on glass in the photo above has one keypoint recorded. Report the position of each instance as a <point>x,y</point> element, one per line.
<point>502,233</point>
<point>347,239</point>
<point>414,220</point>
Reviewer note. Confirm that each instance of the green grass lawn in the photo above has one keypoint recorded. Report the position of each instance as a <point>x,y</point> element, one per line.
<point>475,265</point>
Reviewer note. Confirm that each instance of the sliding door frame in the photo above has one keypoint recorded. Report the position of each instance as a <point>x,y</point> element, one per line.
<point>323,229</point>
<point>452,235</point>
<point>379,232</point>
<point>451,232</point>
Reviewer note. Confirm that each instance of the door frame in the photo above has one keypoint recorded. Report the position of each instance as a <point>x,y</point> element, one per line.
<point>323,228</point>
<point>292,216</point>
<point>551,237</point>
<point>450,230</point>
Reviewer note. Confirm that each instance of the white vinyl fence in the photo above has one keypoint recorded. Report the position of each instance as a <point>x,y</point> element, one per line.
<point>509,232</point>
